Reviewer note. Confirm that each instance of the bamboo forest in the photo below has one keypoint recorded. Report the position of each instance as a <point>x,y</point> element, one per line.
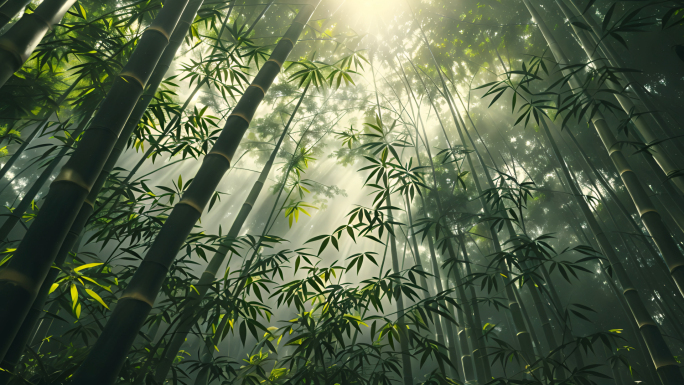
<point>338,192</point>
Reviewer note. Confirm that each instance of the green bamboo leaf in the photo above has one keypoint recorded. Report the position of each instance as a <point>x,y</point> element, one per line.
<point>96,297</point>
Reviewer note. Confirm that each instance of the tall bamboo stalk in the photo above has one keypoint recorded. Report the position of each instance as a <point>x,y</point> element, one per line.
<point>666,284</point>
<point>403,334</point>
<point>666,366</point>
<point>122,143</point>
<point>188,315</point>
<point>86,210</point>
<point>17,44</point>
<point>534,290</point>
<point>573,191</point>
<point>523,336</point>
<point>467,321</point>
<point>454,338</point>
<point>76,229</point>
<point>644,123</point>
<point>448,327</point>
<point>21,279</point>
<point>109,352</point>
<point>642,94</point>
<point>611,192</point>
<point>24,334</point>
<point>10,9</point>
<point>624,306</point>
<point>438,328</point>
<point>208,353</point>
<point>650,217</point>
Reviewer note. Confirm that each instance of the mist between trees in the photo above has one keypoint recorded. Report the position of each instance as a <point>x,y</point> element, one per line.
<point>341,192</point>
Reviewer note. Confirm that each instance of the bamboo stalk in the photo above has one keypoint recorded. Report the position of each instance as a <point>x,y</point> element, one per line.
<point>438,328</point>
<point>402,327</point>
<point>109,352</point>
<point>665,364</point>
<point>403,334</point>
<point>188,315</point>
<point>21,280</point>
<point>155,79</point>
<point>448,327</point>
<point>121,144</point>
<point>643,95</point>
<point>16,349</point>
<point>86,210</point>
<point>10,9</point>
<point>611,193</point>
<point>645,123</point>
<point>17,44</point>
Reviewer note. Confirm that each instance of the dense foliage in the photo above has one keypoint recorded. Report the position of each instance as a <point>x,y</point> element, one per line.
<point>341,192</point>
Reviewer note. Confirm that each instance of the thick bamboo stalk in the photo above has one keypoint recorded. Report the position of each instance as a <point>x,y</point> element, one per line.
<point>84,214</point>
<point>650,217</point>
<point>202,286</point>
<point>663,360</point>
<point>21,280</point>
<point>208,353</point>
<point>611,192</point>
<point>643,95</point>
<point>669,197</point>
<point>644,123</point>
<point>109,352</point>
<point>624,306</point>
<point>86,210</point>
<point>121,144</point>
<point>17,44</point>
<point>661,272</point>
<point>162,67</point>
<point>618,293</point>
<point>10,9</point>
<point>25,203</point>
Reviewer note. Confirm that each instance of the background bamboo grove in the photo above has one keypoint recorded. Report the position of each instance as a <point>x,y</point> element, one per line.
<point>341,192</point>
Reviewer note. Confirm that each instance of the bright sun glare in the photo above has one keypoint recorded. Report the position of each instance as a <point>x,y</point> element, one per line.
<point>370,16</point>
